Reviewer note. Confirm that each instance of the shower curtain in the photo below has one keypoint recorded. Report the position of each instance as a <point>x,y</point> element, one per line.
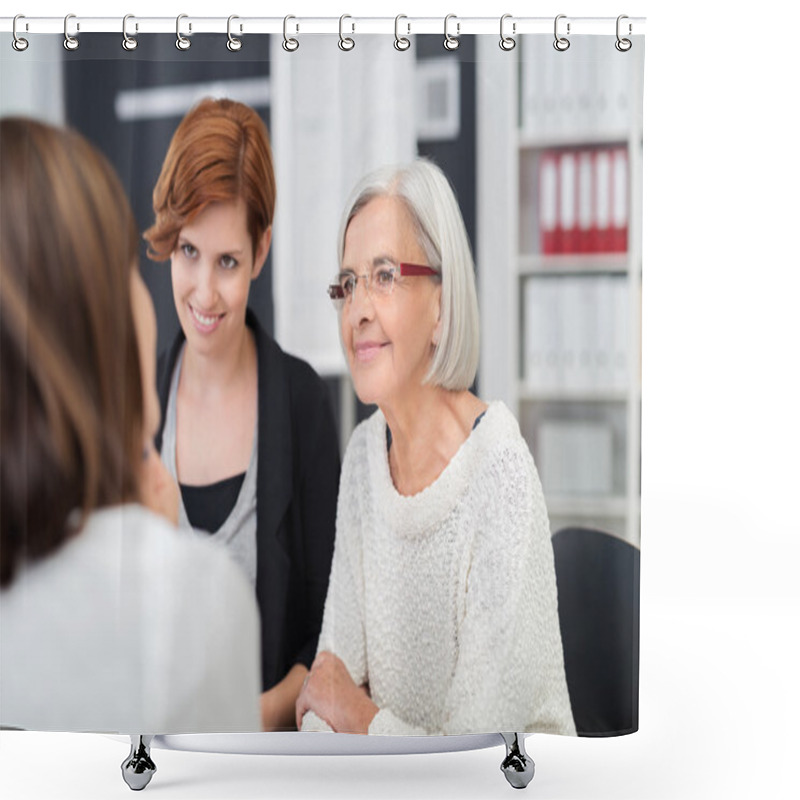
<point>541,141</point>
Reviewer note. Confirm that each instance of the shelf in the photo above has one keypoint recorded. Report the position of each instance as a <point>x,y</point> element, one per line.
<point>528,394</point>
<point>567,506</point>
<point>591,138</point>
<point>568,318</point>
<point>574,263</point>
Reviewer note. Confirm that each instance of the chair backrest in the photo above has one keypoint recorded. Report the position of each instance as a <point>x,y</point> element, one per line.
<point>598,608</point>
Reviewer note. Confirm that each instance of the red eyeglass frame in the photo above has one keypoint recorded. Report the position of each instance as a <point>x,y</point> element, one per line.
<point>335,292</point>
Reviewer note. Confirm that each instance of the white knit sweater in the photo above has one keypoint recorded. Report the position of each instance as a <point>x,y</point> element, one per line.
<point>445,602</point>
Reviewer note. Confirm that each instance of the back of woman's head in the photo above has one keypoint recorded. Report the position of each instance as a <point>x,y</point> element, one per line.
<point>71,392</point>
<point>219,153</point>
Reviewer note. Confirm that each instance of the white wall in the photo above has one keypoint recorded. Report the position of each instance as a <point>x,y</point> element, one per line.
<point>31,82</point>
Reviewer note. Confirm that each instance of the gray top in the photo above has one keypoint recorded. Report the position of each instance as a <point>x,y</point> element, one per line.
<point>83,649</point>
<point>238,533</point>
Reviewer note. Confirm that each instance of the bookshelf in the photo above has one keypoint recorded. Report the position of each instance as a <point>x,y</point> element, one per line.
<point>559,267</point>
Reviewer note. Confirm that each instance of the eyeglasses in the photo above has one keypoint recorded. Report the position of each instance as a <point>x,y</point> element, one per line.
<point>379,283</point>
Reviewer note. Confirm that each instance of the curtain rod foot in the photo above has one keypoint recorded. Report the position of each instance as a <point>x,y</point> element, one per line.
<point>517,766</point>
<point>138,768</point>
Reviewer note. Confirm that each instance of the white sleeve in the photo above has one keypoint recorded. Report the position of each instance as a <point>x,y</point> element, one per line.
<point>385,723</point>
<point>311,722</point>
<point>509,673</point>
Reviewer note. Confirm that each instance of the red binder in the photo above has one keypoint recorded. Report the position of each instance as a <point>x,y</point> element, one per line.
<point>602,201</point>
<point>619,201</point>
<point>548,202</point>
<point>585,200</point>
<point>567,223</point>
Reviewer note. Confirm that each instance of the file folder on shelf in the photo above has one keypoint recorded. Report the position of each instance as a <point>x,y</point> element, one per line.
<point>583,200</point>
<point>548,202</point>
<point>566,224</point>
<point>576,330</point>
<point>619,199</point>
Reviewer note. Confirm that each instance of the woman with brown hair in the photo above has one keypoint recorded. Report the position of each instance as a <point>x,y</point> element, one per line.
<point>247,429</point>
<point>105,619</point>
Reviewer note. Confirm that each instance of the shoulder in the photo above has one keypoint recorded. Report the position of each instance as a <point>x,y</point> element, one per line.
<point>506,484</point>
<point>166,363</point>
<point>169,561</point>
<point>301,378</point>
<point>368,439</point>
<point>362,470</point>
<point>126,551</point>
<point>499,444</point>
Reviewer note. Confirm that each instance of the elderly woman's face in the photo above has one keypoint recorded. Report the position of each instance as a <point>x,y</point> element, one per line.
<point>388,339</point>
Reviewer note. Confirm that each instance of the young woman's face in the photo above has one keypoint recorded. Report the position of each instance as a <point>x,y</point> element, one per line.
<point>212,268</point>
<point>388,340</point>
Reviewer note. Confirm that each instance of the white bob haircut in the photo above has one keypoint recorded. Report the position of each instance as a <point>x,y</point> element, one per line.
<point>431,202</point>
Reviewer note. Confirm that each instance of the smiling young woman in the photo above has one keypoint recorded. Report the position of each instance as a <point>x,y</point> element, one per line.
<point>247,430</point>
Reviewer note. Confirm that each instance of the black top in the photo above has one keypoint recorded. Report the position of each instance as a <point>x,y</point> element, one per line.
<point>296,491</point>
<point>207,507</point>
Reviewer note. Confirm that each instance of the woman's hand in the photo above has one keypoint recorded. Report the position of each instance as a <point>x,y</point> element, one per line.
<point>278,703</point>
<point>332,695</point>
<point>159,490</point>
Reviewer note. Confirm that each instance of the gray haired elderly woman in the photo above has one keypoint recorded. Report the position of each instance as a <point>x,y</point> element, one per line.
<point>441,614</point>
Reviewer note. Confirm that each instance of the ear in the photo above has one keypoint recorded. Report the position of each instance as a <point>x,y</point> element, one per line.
<point>261,252</point>
<point>437,330</point>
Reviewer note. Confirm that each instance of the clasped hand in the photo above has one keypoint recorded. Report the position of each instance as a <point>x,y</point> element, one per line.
<point>332,695</point>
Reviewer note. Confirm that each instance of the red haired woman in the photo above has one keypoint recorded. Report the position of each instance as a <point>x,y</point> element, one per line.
<point>247,430</point>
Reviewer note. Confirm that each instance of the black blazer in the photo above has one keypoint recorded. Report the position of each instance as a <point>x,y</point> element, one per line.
<point>297,488</point>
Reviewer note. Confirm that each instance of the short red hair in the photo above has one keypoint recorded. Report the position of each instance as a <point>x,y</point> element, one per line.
<point>220,152</point>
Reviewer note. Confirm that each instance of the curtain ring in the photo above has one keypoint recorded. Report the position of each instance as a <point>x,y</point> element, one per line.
<point>561,43</point>
<point>129,42</point>
<point>623,45</point>
<point>182,42</point>
<point>70,42</point>
<point>18,43</point>
<point>345,42</point>
<point>401,42</point>
<point>451,42</point>
<point>233,44</point>
<point>507,42</point>
<point>290,44</point>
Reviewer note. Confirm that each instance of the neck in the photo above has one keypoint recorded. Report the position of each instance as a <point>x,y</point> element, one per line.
<point>427,431</point>
<point>214,373</point>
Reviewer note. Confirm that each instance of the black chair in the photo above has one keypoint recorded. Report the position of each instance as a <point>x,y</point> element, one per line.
<point>598,608</point>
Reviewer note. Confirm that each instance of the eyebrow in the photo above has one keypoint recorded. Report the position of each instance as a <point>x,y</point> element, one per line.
<point>376,262</point>
<point>182,239</point>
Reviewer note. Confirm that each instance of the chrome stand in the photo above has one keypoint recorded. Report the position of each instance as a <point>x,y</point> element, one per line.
<point>138,768</point>
<point>518,766</point>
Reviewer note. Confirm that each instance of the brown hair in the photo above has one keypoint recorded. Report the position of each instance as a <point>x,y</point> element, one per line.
<point>71,405</point>
<point>220,152</point>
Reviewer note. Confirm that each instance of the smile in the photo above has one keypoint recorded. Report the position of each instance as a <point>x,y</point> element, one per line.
<point>367,351</point>
<point>205,322</point>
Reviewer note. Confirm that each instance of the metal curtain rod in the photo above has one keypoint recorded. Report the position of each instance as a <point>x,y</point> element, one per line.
<point>300,25</point>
